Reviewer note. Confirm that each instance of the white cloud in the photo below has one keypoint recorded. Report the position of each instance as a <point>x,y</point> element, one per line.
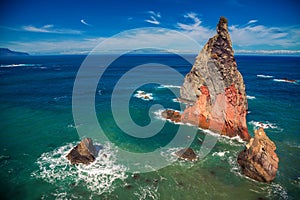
<point>252,21</point>
<point>268,51</point>
<point>56,47</point>
<point>189,27</point>
<point>153,18</point>
<point>43,29</point>
<point>85,23</point>
<point>49,28</point>
<point>155,14</point>
<point>194,28</point>
<point>166,40</point>
<point>249,38</point>
<point>170,40</point>
<point>259,35</point>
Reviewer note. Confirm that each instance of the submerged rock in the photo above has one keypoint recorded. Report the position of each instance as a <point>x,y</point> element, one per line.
<point>84,152</point>
<point>187,154</point>
<point>259,160</point>
<point>216,88</point>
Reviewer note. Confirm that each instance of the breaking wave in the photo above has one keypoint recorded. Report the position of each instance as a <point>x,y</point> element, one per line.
<point>264,76</point>
<point>235,141</point>
<point>285,81</point>
<point>143,95</point>
<point>19,65</point>
<point>97,177</point>
<point>251,97</point>
<point>220,154</point>
<point>264,125</point>
<point>147,192</point>
<point>170,86</point>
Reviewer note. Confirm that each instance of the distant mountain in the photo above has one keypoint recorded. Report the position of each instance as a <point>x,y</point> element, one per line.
<point>7,52</point>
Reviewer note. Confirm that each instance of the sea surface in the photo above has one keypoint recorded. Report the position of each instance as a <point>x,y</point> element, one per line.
<point>37,131</point>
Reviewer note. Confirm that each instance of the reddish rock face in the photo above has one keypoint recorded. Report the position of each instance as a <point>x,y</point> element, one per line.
<point>216,89</point>
<point>172,115</point>
<point>259,160</point>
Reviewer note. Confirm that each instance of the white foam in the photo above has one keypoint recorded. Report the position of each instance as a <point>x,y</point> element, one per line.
<point>220,154</point>
<point>230,140</point>
<point>264,76</point>
<point>18,65</point>
<point>234,167</point>
<point>147,192</point>
<point>97,177</point>
<point>158,114</point>
<point>59,98</point>
<point>176,100</point>
<point>251,97</point>
<point>224,138</point>
<point>169,86</point>
<point>285,80</point>
<point>170,154</point>
<point>264,125</point>
<point>277,190</point>
<point>143,95</point>
<point>73,126</point>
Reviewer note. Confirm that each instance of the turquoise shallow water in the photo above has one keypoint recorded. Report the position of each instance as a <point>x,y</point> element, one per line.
<point>38,130</point>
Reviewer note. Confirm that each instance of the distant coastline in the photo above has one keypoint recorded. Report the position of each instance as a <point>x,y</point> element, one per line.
<point>8,52</point>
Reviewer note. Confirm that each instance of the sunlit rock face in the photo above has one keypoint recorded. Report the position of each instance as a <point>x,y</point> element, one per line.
<point>259,160</point>
<point>215,88</point>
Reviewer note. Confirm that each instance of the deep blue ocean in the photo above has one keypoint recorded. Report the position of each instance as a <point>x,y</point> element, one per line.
<point>37,131</point>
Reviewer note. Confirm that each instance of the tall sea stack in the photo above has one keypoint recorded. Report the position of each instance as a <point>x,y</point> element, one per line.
<point>215,89</point>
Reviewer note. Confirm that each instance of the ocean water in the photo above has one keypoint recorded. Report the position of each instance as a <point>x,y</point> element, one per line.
<point>37,130</point>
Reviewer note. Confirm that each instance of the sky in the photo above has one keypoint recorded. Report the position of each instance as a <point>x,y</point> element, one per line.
<point>77,27</point>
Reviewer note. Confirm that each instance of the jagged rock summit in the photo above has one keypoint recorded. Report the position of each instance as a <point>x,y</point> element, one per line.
<point>215,88</point>
<point>84,152</point>
<point>259,160</point>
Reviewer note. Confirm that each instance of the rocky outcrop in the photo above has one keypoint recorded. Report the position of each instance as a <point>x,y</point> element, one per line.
<point>187,154</point>
<point>259,160</point>
<point>172,115</point>
<point>216,88</point>
<point>84,152</point>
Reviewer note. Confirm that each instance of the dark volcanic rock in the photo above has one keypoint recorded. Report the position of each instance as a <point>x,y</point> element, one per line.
<point>216,88</point>
<point>259,160</point>
<point>84,152</point>
<point>187,154</point>
<point>172,115</point>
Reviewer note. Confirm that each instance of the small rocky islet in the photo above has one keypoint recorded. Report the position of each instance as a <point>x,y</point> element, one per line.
<point>85,152</point>
<point>215,92</point>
